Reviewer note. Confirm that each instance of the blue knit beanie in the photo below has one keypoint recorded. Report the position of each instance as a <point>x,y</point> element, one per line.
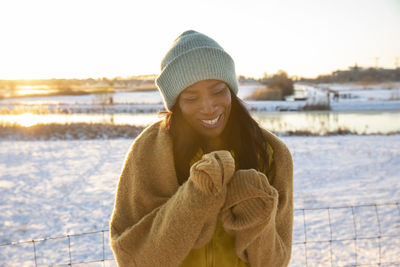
<point>193,57</point>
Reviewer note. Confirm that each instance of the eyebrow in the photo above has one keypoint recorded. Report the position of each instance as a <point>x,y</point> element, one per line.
<point>215,84</point>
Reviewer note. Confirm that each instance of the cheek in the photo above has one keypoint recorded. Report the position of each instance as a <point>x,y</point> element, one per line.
<point>187,111</point>
<point>228,111</point>
<point>228,98</point>
<point>228,103</point>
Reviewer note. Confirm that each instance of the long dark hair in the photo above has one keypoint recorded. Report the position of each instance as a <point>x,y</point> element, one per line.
<point>242,133</point>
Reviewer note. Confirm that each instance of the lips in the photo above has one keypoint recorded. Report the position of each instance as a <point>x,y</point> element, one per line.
<point>211,123</point>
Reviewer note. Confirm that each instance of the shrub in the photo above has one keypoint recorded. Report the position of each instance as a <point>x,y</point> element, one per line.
<point>279,81</point>
<point>266,94</point>
<point>282,82</point>
<point>317,106</point>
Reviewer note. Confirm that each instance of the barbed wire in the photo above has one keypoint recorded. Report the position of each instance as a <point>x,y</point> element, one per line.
<point>355,235</point>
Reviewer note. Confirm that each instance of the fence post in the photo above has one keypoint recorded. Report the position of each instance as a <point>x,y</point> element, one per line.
<point>330,237</point>
<point>34,251</point>
<point>69,250</point>
<point>380,235</point>
<point>305,236</point>
<point>104,257</point>
<point>355,235</point>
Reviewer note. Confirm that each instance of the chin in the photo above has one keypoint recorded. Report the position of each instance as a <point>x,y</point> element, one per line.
<point>212,133</point>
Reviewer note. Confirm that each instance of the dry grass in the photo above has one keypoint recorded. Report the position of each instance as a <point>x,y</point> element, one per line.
<point>80,131</point>
<point>33,109</point>
<point>317,106</point>
<point>266,94</point>
<point>70,91</point>
<point>86,131</point>
<point>142,87</point>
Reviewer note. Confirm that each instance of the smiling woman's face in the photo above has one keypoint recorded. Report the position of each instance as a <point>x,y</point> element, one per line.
<point>206,106</point>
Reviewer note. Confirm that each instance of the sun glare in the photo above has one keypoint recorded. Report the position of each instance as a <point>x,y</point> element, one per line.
<point>23,90</point>
<point>30,119</point>
<point>25,120</point>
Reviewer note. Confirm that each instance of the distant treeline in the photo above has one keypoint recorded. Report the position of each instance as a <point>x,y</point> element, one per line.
<point>358,74</point>
<point>146,82</point>
<point>133,82</point>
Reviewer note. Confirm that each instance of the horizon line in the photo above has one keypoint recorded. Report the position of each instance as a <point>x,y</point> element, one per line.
<point>155,75</point>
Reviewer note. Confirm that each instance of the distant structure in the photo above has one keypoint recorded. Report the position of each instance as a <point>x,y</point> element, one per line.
<point>359,74</point>
<point>376,62</point>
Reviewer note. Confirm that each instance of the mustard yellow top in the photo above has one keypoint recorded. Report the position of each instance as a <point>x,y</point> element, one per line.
<point>220,251</point>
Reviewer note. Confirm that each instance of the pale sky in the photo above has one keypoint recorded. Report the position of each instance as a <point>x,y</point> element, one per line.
<point>84,38</point>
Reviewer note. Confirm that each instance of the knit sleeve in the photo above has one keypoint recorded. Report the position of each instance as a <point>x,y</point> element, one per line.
<point>155,221</point>
<point>260,216</point>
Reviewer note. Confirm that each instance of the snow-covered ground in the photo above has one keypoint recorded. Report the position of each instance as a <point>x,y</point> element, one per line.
<point>353,96</point>
<point>357,91</point>
<point>66,187</point>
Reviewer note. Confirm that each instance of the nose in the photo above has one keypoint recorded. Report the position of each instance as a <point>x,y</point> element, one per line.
<point>207,106</point>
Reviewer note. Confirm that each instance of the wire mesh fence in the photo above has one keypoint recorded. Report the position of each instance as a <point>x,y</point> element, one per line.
<point>360,235</point>
<point>84,249</point>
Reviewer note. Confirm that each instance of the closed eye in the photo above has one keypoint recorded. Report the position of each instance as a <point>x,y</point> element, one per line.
<point>219,91</point>
<point>190,98</point>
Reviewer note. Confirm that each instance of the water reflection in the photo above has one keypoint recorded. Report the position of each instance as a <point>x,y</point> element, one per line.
<point>362,122</point>
<point>321,122</point>
<point>24,90</point>
<point>28,119</point>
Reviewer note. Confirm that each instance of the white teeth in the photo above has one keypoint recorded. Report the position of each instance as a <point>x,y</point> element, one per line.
<point>211,122</point>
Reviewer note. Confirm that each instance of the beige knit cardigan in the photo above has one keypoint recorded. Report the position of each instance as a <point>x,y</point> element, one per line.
<point>157,222</point>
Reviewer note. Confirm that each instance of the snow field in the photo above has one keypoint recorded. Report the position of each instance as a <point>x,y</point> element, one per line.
<point>52,188</point>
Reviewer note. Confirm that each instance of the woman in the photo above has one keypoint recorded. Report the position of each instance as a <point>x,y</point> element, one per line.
<point>206,186</point>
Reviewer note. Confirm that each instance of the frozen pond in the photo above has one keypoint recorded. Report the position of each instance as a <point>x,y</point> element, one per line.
<point>359,110</point>
<point>360,122</point>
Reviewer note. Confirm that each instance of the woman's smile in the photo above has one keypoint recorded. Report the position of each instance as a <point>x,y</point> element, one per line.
<point>214,123</point>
